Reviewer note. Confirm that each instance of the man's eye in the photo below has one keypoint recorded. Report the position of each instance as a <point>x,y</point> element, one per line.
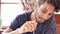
<point>43,11</point>
<point>50,14</point>
<point>39,17</point>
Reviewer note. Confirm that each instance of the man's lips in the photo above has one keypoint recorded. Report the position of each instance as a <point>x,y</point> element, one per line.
<point>42,19</point>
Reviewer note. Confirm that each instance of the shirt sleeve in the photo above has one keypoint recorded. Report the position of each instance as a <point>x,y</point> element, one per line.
<point>18,21</point>
<point>51,29</point>
<point>15,24</point>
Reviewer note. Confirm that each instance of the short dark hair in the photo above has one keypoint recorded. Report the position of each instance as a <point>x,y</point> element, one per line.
<point>55,3</point>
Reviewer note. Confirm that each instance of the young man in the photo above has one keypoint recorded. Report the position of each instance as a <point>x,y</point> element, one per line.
<point>38,22</point>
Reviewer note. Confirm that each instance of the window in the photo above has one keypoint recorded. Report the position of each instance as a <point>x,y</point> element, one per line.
<point>0,13</point>
<point>9,10</point>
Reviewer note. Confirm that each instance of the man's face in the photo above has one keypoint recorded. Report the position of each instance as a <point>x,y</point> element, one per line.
<point>44,12</point>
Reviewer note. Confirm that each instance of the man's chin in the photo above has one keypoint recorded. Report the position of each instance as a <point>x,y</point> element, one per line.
<point>41,22</point>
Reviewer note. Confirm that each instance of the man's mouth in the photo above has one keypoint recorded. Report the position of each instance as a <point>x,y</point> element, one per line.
<point>42,20</point>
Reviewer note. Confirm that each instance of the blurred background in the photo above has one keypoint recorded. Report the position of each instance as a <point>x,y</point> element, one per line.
<point>9,9</point>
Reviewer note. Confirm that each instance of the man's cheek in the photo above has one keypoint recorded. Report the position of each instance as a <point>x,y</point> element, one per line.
<point>49,17</point>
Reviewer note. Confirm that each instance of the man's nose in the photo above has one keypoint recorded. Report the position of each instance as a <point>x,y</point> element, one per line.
<point>45,16</point>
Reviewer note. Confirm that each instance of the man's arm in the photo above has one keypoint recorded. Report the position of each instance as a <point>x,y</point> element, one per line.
<point>14,25</point>
<point>29,26</point>
<point>8,30</point>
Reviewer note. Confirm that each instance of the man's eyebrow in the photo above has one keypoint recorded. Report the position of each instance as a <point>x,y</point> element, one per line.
<point>45,9</point>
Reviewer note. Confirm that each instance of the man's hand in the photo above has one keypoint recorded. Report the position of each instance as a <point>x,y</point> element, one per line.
<point>29,26</point>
